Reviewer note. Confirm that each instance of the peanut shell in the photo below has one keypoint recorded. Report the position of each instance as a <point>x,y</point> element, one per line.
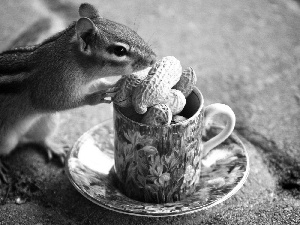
<point>187,81</point>
<point>126,85</point>
<point>158,115</point>
<point>155,88</point>
<point>178,119</point>
<point>176,101</point>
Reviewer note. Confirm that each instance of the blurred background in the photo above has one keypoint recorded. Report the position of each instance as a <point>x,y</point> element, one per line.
<point>239,49</point>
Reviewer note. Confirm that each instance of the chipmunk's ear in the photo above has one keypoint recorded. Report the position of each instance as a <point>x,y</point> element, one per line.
<point>88,10</point>
<point>86,31</point>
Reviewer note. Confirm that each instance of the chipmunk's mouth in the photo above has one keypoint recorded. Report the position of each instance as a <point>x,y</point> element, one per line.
<point>143,64</point>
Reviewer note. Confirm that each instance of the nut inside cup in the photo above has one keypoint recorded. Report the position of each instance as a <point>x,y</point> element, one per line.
<point>194,104</point>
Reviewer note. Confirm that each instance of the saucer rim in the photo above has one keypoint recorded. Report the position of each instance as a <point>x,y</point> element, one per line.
<point>154,214</point>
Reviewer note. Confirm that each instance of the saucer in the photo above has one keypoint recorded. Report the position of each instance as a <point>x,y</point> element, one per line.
<point>90,168</point>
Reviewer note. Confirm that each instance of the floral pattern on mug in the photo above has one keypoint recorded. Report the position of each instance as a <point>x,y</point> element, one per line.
<point>149,175</point>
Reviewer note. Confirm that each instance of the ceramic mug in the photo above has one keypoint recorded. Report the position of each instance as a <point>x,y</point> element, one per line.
<point>162,164</point>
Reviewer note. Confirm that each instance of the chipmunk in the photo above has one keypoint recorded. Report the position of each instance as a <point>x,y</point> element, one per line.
<point>63,72</point>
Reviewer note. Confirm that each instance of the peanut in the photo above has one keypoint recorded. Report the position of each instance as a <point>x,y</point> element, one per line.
<point>176,101</point>
<point>126,85</point>
<point>187,81</point>
<point>158,115</point>
<point>155,88</point>
<point>178,119</point>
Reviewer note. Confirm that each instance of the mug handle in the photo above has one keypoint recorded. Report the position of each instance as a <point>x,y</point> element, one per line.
<point>211,111</point>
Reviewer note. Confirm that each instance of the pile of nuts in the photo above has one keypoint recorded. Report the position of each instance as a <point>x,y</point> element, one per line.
<point>159,92</point>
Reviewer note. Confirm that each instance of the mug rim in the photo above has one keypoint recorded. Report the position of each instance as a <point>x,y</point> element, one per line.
<point>197,93</point>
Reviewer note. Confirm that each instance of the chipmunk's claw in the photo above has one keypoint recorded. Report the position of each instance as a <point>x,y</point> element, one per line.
<point>57,150</point>
<point>99,97</point>
<point>111,92</point>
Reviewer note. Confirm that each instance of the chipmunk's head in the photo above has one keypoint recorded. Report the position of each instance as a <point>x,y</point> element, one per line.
<point>119,49</point>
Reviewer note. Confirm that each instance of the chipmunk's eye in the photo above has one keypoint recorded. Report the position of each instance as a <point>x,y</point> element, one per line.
<point>119,51</point>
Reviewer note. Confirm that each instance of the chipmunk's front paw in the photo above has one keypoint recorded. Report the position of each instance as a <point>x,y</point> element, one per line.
<point>54,149</point>
<point>3,172</point>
